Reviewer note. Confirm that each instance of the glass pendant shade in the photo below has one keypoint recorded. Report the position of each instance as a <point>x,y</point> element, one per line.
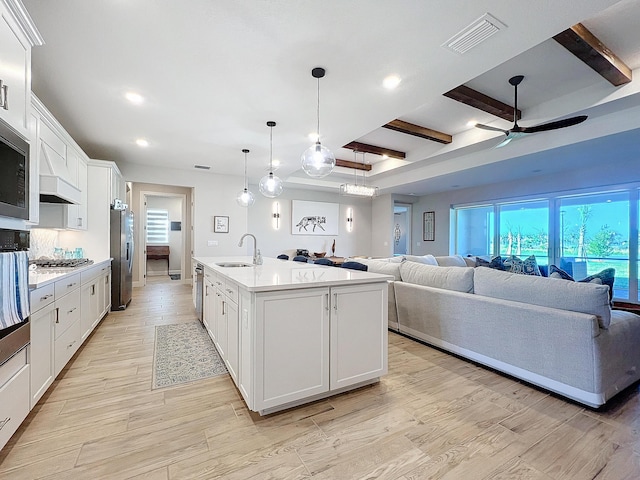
<point>318,161</point>
<point>245,198</point>
<point>270,186</point>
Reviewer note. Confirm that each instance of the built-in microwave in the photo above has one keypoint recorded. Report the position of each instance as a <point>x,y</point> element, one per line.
<point>14,180</point>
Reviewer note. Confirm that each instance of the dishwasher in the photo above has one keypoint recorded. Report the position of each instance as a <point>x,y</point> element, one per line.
<point>199,270</point>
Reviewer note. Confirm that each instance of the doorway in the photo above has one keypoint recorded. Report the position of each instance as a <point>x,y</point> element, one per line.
<point>401,229</point>
<point>162,236</point>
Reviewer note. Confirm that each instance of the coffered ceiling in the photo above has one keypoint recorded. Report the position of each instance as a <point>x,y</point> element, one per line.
<point>213,72</point>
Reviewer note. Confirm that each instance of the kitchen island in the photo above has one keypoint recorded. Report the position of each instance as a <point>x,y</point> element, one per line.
<point>290,332</point>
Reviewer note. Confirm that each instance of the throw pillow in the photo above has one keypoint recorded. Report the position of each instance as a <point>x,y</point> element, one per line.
<point>495,263</point>
<point>451,261</point>
<point>556,272</point>
<point>528,266</point>
<point>426,259</point>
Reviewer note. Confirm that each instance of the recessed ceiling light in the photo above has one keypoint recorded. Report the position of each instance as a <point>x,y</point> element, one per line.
<point>471,123</point>
<point>141,142</point>
<point>391,82</point>
<point>134,98</point>
<point>385,156</point>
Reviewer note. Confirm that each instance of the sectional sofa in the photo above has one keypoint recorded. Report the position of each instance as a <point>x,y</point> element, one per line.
<point>560,335</point>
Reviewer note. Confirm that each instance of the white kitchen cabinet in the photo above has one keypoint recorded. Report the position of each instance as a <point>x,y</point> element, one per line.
<point>209,307</point>
<point>17,36</point>
<point>67,325</point>
<point>233,339</point>
<point>358,334</point>
<point>220,323</point>
<point>94,283</point>
<point>75,216</point>
<point>105,297</point>
<point>43,317</point>
<point>292,341</point>
<point>14,394</point>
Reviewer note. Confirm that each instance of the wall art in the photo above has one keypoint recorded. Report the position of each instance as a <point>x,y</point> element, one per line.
<point>221,224</point>
<point>314,218</point>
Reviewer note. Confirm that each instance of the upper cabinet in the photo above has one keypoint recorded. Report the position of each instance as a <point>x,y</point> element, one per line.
<point>17,35</point>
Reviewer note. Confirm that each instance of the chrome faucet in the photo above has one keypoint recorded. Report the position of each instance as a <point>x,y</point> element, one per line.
<point>257,258</point>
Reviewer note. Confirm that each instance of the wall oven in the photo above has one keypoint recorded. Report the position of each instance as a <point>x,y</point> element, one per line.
<point>14,181</point>
<point>15,337</point>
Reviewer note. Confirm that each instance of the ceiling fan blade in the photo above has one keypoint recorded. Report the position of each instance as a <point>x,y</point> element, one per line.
<point>493,129</point>
<point>567,122</point>
<point>510,136</point>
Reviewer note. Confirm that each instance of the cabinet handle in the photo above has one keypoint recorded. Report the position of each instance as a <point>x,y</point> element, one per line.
<point>72,310</point>
<point>71,285</point>
<point>326,302</point>
<point>229,291</point>
<point>4,422</point>
<point>46,296</point>
<point>57,315</point>
<point>93,289</point>
<point>223,302</point>
<point>335,302</point>
<point>71,344</point>
<point>4,95</point>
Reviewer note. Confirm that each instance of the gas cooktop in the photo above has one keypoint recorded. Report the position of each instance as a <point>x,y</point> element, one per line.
<point>62,262</point>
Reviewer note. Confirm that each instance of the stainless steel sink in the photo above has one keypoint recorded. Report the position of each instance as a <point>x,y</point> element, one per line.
<point>233,264</point>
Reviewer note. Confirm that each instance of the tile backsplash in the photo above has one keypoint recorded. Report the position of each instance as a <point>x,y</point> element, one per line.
<point>42,243</point>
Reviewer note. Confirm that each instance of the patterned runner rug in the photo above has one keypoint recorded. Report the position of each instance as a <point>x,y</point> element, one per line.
<point>184,353</point>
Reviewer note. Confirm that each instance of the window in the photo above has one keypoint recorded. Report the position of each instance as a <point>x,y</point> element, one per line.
<point>594,235</point>
<point>157,226</point>
<point>583,234</point>
<point>524,230</point>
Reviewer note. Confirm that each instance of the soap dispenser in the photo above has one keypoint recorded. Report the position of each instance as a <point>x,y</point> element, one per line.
<point>258,258</point>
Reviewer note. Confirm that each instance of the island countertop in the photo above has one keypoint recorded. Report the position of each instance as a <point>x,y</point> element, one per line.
<point>275,274</point>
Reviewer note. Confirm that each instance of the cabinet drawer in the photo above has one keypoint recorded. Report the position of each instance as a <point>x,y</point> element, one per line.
<point>66,345</point>
<point>41,297</point>
<point>231,291</point>
<point>87,276</point>
<point>14,404</point>
<point>68,311</point>
<point>67,285</point>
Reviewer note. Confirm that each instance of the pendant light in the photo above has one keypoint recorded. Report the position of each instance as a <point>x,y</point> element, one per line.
<point>270,186</point>
<point>355,189</point>
<point>318,161</point>
<point>245,197</point>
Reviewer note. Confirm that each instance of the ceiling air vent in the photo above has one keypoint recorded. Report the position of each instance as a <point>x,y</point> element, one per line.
<point>474,34</point>
<point>202,167</point>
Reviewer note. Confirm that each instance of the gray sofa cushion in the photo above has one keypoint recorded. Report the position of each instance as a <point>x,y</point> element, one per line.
<point>448,278</point>
<point>451,261</point>
<point>382,266</point>
<point>426,259</point>
<point>547,292</point>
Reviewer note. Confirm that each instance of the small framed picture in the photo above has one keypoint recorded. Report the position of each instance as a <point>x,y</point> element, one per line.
<point>221,224</point>
<point>429,226</point>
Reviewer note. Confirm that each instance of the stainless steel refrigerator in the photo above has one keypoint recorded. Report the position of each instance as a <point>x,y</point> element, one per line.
<point>122,254</point>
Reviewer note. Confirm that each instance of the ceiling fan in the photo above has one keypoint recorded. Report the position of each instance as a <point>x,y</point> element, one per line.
<point>517,131</point>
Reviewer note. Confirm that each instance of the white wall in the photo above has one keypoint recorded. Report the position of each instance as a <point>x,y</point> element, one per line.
<point>273,242</point>
<point>609,174</point>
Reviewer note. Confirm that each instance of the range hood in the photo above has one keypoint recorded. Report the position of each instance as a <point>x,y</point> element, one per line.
<point>54,189</point>
<point>54,186</point>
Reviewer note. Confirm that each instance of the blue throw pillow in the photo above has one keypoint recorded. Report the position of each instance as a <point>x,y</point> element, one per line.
<point>495,263</point>
<point>528,266</point>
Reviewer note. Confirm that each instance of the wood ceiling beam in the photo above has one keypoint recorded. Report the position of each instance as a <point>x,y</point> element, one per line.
<point>586,46</point>
<point>355,165</point>
<point>483,102</point>
<point>363,147</point>
<point>418,131</point>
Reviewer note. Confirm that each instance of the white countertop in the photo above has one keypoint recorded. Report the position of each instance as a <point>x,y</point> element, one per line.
<point>276,274</point>
<point>39,277</point>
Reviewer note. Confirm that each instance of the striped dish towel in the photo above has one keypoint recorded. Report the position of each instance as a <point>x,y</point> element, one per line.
<point>14,289</point>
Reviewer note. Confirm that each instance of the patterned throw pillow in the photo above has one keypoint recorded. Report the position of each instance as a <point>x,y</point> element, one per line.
<point>528,266</point>
<point>496,263</point>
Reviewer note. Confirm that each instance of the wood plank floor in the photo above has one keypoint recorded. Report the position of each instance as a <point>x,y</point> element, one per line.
<point>434,416</point>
